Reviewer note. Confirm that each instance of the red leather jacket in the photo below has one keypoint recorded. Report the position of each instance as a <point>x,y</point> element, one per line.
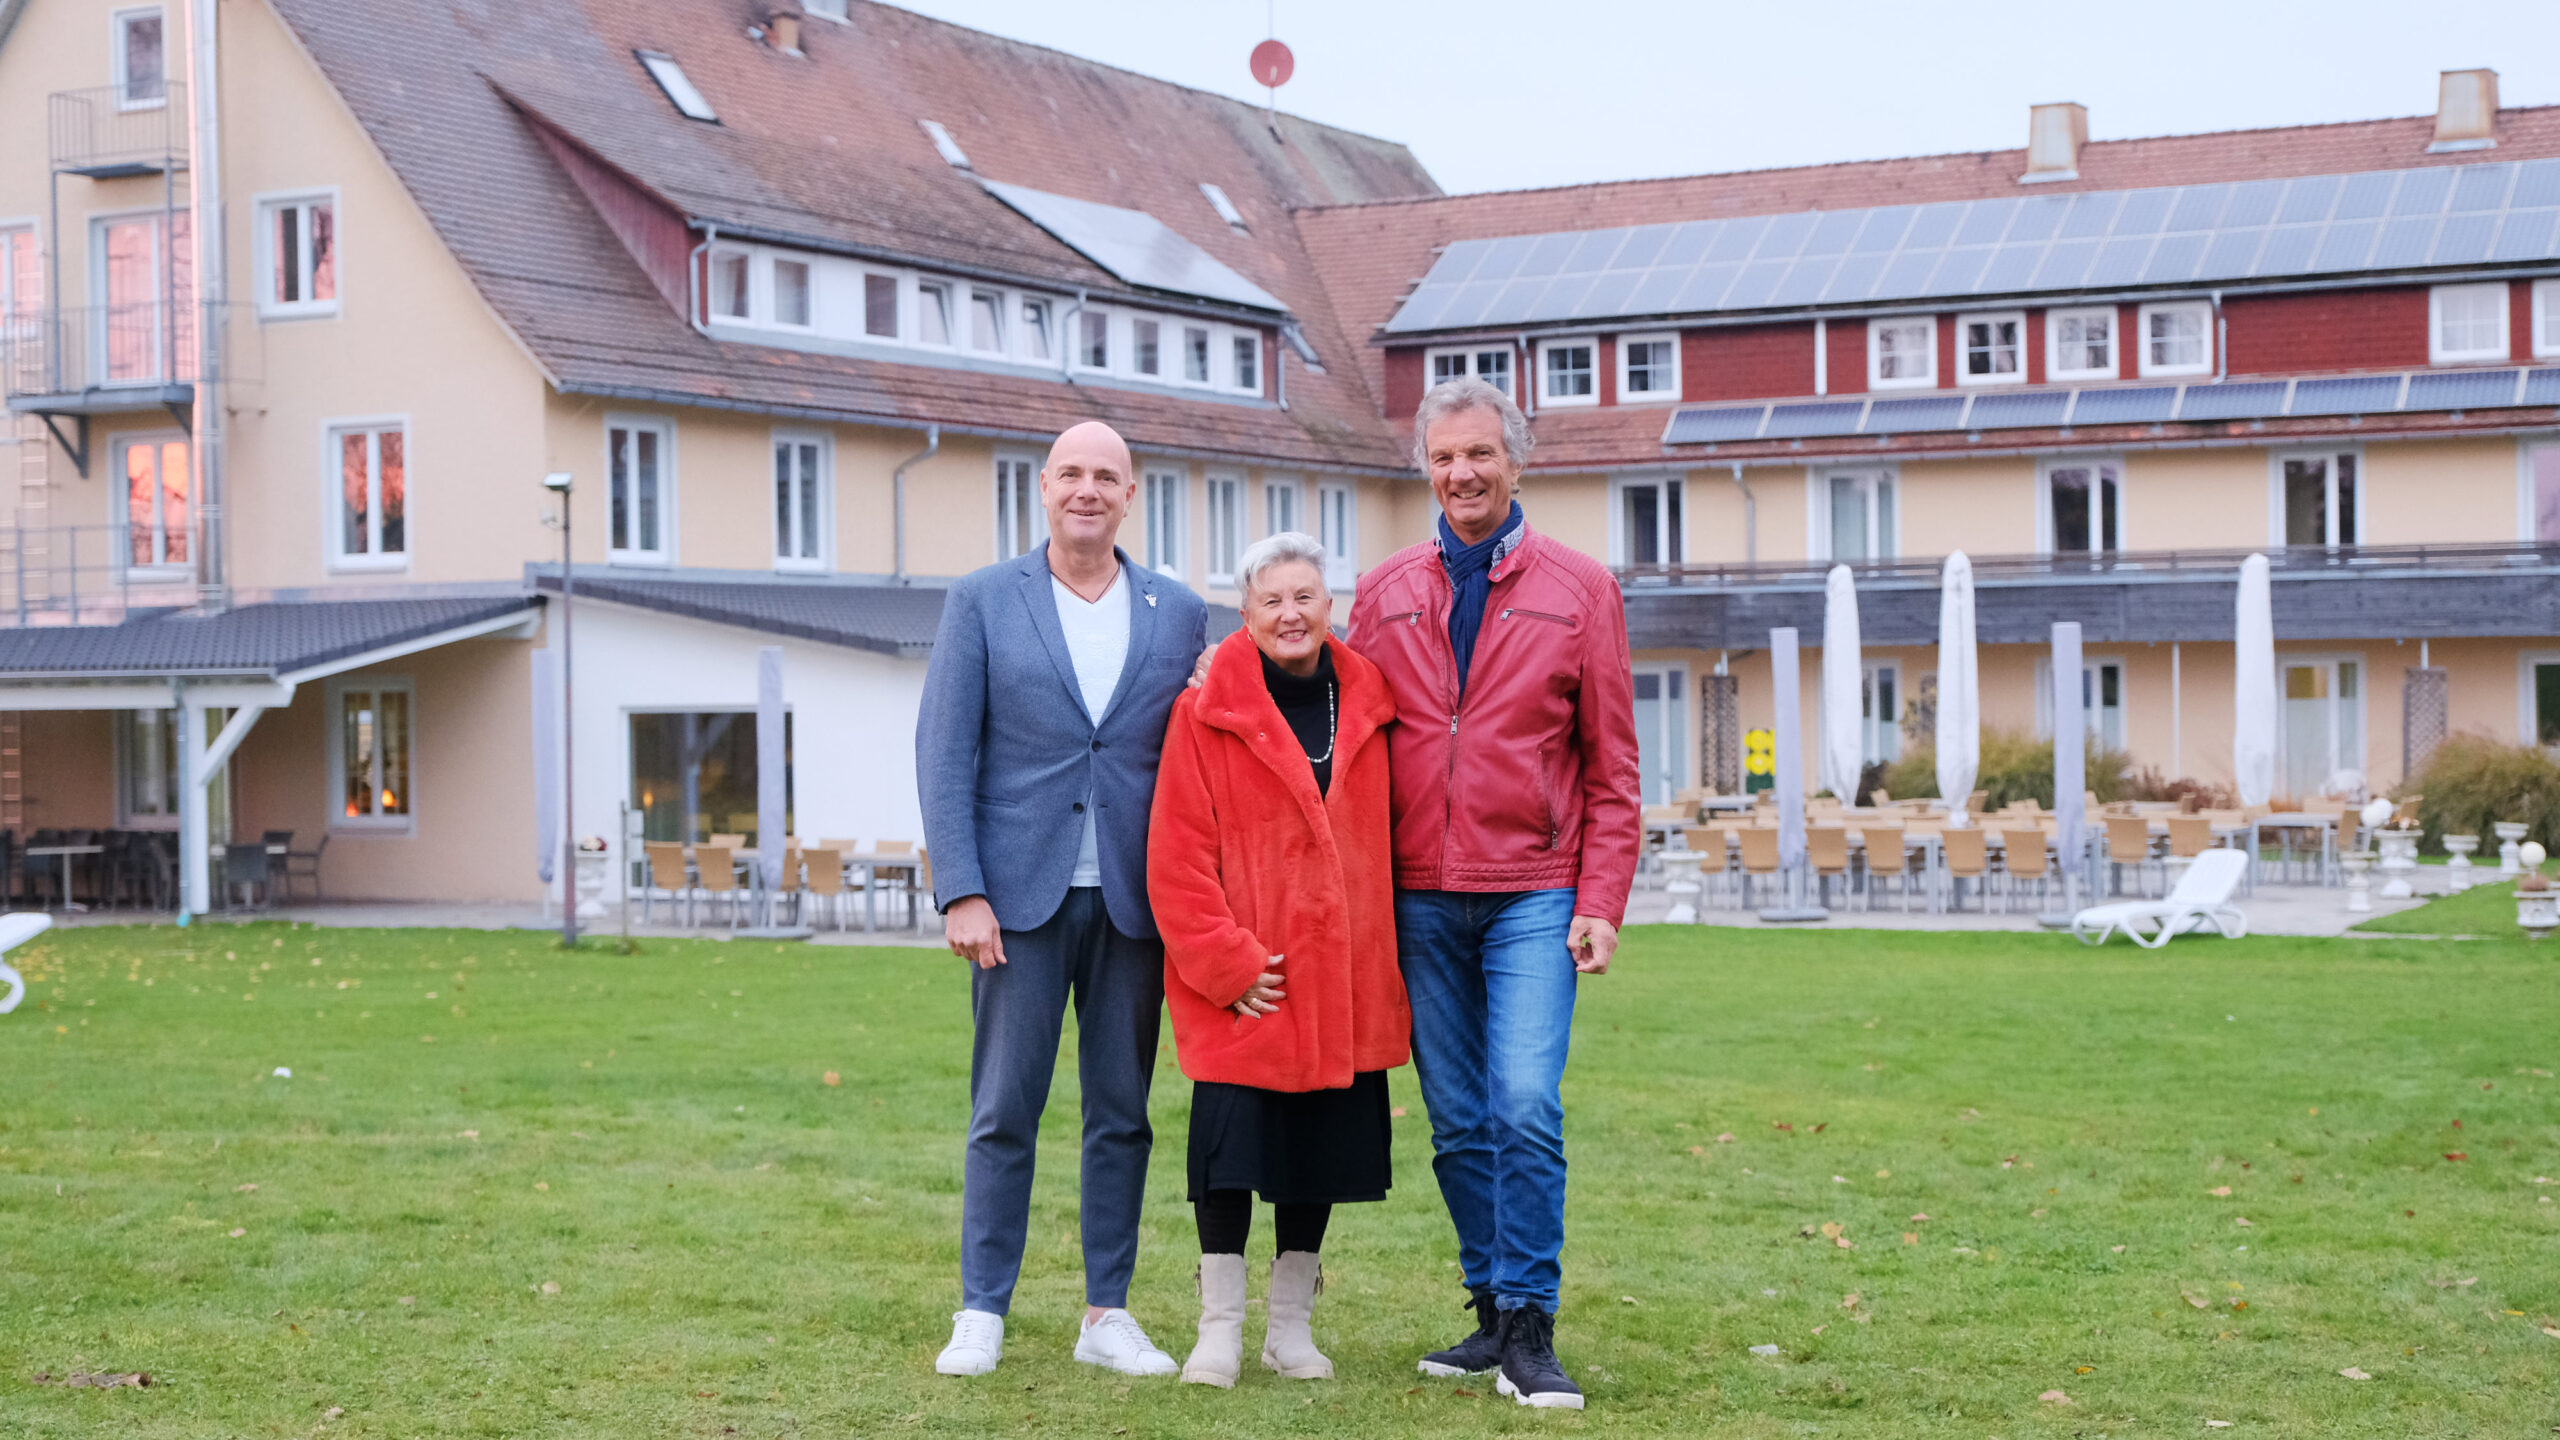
<point>1530,781</point>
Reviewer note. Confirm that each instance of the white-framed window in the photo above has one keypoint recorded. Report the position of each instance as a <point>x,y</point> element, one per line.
<point>1489,363</point>
<point>1855,515</point>
<point>154,502</point>
<point>368,471</point>
<point>1245,353</point>
<point>795,293</point>
<point>142,283</point>
<point>880,306</point>
<point>1902,352</point>
<point>1225,207</point>
<point>1648,368</point>
<point>2466,324</point>
<point>2538,699</point>
<point>2083,504</point>
<point>677,86</point>
<point>1093,339</point>
<point>297,254</point>
<point>1662,730</point>
<point>933,313</point>
<point>2176,338</point>
<point>21,282</point>
<point>138,57</point>
<point>1991,349</point>
<point>640,490</point>
<point>1037,342</point>
<point>2318,498</point>
<point>1880,712</point>
<point>2546,318</point>
<point>1195,354</point>
<point>2323,726</point>
<point>986,321</point>
<point>1225,515</point>
<point>1568,372</point>
<point>1284,507</point>
<point>2102,699</point>
<point>148,771</point>
<point>732,284</point>
<point>1164,520</point>
<point>803,486</point>
<point>1646,525</point>
<point>2080,344</point>
<point>1146,346</point>
<point>1020,522</point>
<point>370,753</point>
<point>1338,527</point>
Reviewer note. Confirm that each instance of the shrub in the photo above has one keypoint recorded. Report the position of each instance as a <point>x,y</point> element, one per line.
<point>2473,780</point>
<point>2015,766</point>
<point>2147,783</point>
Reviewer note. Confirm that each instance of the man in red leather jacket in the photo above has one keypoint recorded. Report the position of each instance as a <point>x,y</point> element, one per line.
<point>1516,828</point>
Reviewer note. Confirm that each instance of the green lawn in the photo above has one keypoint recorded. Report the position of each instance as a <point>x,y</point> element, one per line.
<point>2483,910</point>
<point>370,1247</point>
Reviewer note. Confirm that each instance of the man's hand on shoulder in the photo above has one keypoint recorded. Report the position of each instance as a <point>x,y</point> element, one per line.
<point>1593,942</point>
<point>1200,672</point>
<point>969,927</point>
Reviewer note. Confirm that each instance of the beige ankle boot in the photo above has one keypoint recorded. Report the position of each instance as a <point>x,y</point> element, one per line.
<point>1220,1354</point>
<point>1287,1344</point>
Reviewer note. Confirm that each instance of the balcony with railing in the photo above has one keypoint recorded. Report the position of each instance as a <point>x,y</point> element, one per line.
<point>114,131</point>
<point>102,359</point>
<point>97,574</point>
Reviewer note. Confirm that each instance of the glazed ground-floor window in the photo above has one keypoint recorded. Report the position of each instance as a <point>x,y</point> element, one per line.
<point>373,752</point>
<point>693,774</point>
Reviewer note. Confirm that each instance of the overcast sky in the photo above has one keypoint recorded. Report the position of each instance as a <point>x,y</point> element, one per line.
<point>1503,94</point>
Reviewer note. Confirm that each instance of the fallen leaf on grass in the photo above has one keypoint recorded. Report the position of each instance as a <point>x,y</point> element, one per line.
<point>2195,1299</point>
<point>1839,1179</point>
<point>1850,1301</point>
<point>333,1412</point>
<point>2353,1373</point>
<point>832,1078</point>
<point>1910,1237</point>
<point>81,1379</point>
<point>2220,1192</point>
<point>550,1287</point>
<point>468,1134</point>
<point>1697,1149</point>
<point>1397,1113</point>
<point>2055,1397</point>
<point>2455,1155</point>
<point>1727,1138</point>
<point>1884,1174</point>
<point>2242,1221</point>
<point>2217,1424</point>
<point>1818,1329</point>
<point>1831,1229</point>
<point>1626,1299</point>
<point>2552,1330</point>
<point>244,1189</point>
<point>1464,1394</point>
<point>408,1299</point>
<point>236,1234</point>
<point>1919,1219</point>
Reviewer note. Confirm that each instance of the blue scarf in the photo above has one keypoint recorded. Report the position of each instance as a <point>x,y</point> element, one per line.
<point>1471,584</point>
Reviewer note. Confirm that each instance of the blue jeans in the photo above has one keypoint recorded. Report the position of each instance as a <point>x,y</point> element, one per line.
<point>1492,988</point>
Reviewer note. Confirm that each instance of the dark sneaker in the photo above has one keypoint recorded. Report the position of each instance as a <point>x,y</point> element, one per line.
<point>1478,1352</point>
<point>1530,1373</point>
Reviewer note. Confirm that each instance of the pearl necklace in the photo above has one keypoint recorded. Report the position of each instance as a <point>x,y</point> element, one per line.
<point>1332,723</point>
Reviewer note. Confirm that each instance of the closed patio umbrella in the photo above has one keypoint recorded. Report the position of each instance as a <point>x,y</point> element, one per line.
<point>2253,688</point>
<point>1841,752</point>
<point>1959,689</point>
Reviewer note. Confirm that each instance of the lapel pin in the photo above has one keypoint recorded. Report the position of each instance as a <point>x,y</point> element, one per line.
<point>1151,599</point>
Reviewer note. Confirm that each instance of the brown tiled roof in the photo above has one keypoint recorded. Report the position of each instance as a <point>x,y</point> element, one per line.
<point>1371,254</point>
<point>828,147</point>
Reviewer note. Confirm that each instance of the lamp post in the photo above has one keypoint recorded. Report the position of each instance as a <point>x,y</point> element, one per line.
<point>558,482</point>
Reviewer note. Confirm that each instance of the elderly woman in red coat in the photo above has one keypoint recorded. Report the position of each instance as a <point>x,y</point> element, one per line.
<point>1270,868</point>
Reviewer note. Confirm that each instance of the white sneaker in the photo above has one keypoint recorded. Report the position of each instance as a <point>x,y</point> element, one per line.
<point>1116,1343</point>
<point>977,1343</point>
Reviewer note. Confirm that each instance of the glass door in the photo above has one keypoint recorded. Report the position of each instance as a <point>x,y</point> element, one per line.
<point>1880,715</point>
<point>2323,730</point>
<point>1662,731</point>
<point>1862,519</point>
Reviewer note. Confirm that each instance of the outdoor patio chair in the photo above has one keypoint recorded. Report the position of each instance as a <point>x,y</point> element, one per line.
<point>735,841</point>
<point>8,869</point>
<point>1974,803</point>
<point>1966,853</point>
<point>716,874</point>
<point>826,879</point>
<point>247,866</point>
<point>1759,857</point>
<point>1887,859</point>
<point>304,865</point>
<point>667,874</point>
<point>2022,858</point>
<point>1707,843</point>
<point>894,847</point>
<point>2201,900</point>
<point>2129,843</point>
<point>1826,847</point>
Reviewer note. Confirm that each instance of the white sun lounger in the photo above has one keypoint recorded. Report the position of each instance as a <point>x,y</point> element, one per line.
<point>16,930</point>
<point>2201,900</point>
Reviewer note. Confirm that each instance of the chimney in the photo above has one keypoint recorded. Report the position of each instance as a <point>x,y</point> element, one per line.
<point>782,32</point>
<point>2466,111</point>
<point>2055,134</point>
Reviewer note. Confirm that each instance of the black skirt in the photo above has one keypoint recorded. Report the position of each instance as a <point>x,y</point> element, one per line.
<point>1295,1148</point>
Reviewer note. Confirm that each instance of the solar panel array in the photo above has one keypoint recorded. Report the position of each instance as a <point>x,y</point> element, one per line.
<point>2115,405</point>
<point>2451,215</point>
<point>1134,245</point>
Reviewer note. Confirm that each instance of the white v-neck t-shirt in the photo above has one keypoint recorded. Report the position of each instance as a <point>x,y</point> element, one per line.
<point>1098,645</point>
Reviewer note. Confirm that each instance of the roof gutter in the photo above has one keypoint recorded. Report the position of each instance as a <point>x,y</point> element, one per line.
<point>1750,518</point>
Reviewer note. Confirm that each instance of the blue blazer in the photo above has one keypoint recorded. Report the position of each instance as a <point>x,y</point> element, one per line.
<point>1007,758</point>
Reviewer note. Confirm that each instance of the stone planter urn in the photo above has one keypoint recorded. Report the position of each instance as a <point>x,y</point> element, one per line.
<point>2399,862</point>
<point>1681,883</point>
<point>2510,834</point>
<point>2457,871</point>
<point>2537,909</point>
<point>595,867</point>
<point>2359,867</point>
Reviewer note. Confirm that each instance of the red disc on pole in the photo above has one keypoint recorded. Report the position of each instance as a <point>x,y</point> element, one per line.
<point>1273,64</point>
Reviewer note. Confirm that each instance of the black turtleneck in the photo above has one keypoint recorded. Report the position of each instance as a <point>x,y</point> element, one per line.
<point>1310,706</point>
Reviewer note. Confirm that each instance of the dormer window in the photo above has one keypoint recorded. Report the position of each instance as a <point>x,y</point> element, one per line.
<point>791,295</point>
<point>880,306</point>
<point>1093,346</point>
<point>986,321</point>
<point>680,92</point>
<point>933,313</point>
<point>1902,353</point>
<point>1248,375</point>
<point>2467,324</point>
<point>1993,354</point>
<point>1195,354</point>
<point>1035,329</point>
<point>1146,347</point>
<point>2176,338</point>
<point>2081,344</point>
<point>729,297</point>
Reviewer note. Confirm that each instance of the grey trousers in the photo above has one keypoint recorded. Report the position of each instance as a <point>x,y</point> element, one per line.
<point>1118,987</point>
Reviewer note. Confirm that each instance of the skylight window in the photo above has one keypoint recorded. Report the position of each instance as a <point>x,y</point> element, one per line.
<point>680,92</point>
<point>952,154</point>
<point>1225,207</point>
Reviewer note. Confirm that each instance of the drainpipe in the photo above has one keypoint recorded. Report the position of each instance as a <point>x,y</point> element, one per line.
<point>693,281</point>
<point>898,498</point>
<point>1280,370</point>
<point>213,577</point>
<point>1528,382</point>
<point>1750,518</point>
<point>2221,341</point>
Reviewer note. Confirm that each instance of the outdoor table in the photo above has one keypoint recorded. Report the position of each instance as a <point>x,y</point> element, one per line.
<point>67,852</point>
<point>871,863</point>
<point>1728,802</point>
<point>218,851</point>
<point>2327,825</point>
